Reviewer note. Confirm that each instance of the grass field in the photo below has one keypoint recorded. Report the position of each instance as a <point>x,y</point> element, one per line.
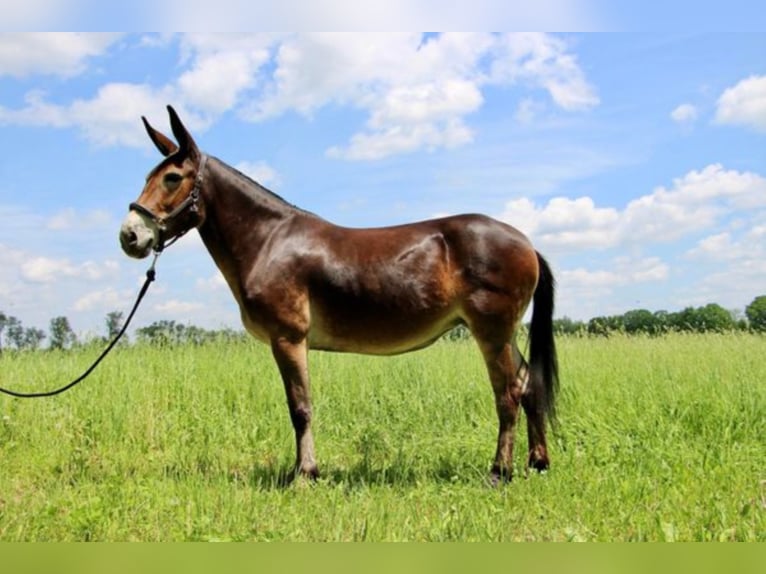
<point>659,439</point>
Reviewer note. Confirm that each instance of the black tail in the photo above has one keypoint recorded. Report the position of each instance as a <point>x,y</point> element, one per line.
<point>543,364</point>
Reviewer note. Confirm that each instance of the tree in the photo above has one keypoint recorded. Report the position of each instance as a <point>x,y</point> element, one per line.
<point>14,332</point>
<point>161,333</point>
<point>32,338</point>
<point>3,320</point>
<point>113,324</point>
<point>605,325</point>
<point>639,321</point>
<point>459,333</point>
<point>567,326</point>
<point>713,317</point>
<point>662,322</point>
<point>684,320</point>
<point>62,336</point>
<point>16,336</point>
<point>756,313</point>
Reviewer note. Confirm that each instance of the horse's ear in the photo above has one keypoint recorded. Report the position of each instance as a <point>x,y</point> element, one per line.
<point>163,143</point>
<point>185,141</point>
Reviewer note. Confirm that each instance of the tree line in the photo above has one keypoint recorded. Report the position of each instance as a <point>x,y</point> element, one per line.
<point>710,318</point>
<point>14,336</point>
<point>704,319</point>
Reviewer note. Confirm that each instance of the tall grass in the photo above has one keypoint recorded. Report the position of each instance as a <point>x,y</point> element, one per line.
<point>659,439</point>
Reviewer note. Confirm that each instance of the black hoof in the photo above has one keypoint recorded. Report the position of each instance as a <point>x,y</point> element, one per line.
<point>538,464</point>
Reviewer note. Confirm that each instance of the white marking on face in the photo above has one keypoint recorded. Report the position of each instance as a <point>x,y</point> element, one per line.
<point>138,235</point>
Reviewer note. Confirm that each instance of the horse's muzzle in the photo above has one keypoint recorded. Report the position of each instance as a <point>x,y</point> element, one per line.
<point>138,235</point>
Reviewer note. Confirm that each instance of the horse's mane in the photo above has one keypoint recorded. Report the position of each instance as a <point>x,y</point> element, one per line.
<point>250,186</point>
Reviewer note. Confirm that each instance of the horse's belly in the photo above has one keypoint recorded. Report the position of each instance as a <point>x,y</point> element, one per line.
<point>378,334</point>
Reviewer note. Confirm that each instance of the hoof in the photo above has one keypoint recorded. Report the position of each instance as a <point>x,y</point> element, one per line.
<point>539,466</point>
<point>538,460</point>
<point>498,476</point>
<point>305,475</point>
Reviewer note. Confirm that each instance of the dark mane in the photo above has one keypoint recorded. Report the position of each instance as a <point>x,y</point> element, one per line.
<point>253,186</point>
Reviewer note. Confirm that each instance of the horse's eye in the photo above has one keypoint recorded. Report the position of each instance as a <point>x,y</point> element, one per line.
<point>172,180</point>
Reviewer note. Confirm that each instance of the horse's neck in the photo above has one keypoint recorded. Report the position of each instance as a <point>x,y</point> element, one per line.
<point>240,216</point>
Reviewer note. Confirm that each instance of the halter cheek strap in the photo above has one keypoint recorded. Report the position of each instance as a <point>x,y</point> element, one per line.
<point>191,203</point>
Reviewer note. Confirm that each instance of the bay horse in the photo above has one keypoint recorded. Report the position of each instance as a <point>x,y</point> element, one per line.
<point>304,283</point>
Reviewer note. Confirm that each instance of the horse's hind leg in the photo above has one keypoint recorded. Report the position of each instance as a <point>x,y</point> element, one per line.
<point>507,387</point>
<point>537,456</point>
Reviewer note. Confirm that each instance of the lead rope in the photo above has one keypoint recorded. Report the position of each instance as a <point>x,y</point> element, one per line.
<point>150,275</point>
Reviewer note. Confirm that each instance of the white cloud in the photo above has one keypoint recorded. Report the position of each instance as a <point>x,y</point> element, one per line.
<point>215,282</point>
<point>10,259</point>
<point>625,271</point>
<point>105,300</point>
<point>724,207</point>
<point>417,91</point>
<point>568,224</point>
<point>684,114</point>
<point>584,292</point>
<point>46,270</point>
<point>744,104</point>
<point>696,201</point>
<point>49,270</point>
<point>735,261</point>
<point>714,184</point>
<point>403,139</point>
<point>714,246</point>
<point>37,112</point>
<point>428,102</point>
<point>542,60</point>
<point>315,69</point>
<point>56,53</point>
<point>112,117</point>
<point>260,171</point>
<point>224,66</point>
<point>203,86</point>
<point>740,245</point>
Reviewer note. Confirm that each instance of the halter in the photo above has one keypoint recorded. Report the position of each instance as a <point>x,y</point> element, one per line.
<point>191,203</point>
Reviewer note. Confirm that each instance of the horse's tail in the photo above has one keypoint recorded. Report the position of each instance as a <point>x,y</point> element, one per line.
<point>543,364</point>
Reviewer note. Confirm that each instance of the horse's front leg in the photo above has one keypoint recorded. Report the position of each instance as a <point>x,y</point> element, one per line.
<point>292,360</point>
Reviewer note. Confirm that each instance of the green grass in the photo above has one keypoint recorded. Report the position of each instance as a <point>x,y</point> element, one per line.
<point>659,439</point>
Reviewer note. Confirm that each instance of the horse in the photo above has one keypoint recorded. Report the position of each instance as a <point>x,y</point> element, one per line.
<point>304,283</point>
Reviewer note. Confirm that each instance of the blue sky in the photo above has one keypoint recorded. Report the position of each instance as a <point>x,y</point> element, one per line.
<point>634,161</point>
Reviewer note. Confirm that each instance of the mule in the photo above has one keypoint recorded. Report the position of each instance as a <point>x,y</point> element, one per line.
<point>304,283</point>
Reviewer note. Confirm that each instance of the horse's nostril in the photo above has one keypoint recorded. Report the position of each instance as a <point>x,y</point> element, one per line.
<point>132,238</point>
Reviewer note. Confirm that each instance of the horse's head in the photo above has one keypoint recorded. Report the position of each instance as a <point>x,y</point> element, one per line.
<point>169,204</point>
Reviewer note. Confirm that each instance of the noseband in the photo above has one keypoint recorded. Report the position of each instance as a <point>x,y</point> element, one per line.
<point>191,203</point>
